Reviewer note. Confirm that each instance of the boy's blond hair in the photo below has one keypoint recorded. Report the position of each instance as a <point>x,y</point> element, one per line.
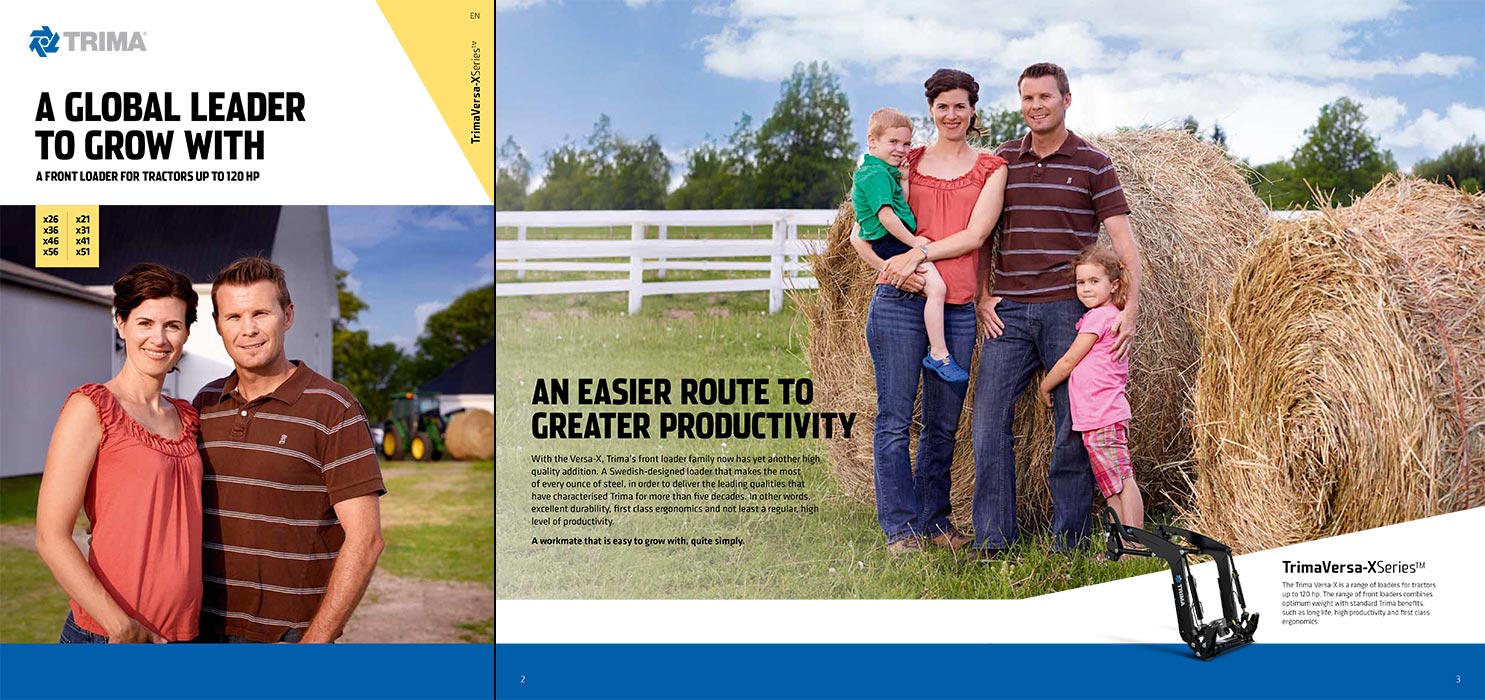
<point>884,119</point>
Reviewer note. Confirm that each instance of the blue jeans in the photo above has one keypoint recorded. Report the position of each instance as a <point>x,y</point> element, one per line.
<point>290,637</point>
<point>914,502</point>
<point>1036,336</point>
<point>72,634</point>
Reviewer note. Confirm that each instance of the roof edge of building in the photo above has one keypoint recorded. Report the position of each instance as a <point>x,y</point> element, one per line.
<point>36,279</point>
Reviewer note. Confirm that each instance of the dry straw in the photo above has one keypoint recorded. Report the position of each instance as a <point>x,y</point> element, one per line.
<point>1344,388</point>
<point>471,434</point>
<point>1193,215</point>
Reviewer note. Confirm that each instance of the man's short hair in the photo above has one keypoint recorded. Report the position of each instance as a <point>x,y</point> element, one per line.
<point>1038,70</point>
<point>245,271</point>
<point>884,119</point>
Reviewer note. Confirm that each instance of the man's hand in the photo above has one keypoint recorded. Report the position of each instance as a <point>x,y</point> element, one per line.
<point>360,517</point>
<point>1123,328</point>
<point>990,324</point>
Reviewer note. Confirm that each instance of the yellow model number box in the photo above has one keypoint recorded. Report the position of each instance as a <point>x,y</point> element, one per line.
<point>67,236</point>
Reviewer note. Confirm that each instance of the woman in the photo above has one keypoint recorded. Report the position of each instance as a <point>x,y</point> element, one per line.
<point>955,193</point>
<point>127,456</point>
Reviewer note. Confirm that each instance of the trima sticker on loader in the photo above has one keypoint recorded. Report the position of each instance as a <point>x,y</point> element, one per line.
<point>1235,627</point>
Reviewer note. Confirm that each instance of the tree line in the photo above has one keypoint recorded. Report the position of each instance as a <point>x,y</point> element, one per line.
<point>375,372</point>
<point>803,154</point>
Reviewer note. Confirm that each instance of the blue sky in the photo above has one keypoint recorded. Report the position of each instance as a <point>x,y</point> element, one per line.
<point>409,262</point>
<point>686,71</point>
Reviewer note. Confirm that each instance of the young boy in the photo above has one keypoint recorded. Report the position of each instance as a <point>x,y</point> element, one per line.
<point>879,192</point>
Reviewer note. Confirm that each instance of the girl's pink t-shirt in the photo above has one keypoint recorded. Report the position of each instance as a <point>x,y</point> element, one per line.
<point>144,503</point>
<point>1096,387</point>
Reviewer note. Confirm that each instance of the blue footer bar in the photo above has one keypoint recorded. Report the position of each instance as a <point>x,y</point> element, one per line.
<point>987,671</point>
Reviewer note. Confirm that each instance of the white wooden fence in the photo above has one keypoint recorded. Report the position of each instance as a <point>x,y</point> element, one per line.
<point>782,247</point>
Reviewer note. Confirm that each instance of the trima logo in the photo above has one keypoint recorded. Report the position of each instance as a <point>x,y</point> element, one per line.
<point>45,41</point>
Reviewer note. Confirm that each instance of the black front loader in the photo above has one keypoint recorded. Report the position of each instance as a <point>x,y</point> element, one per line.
<point>1235,627</point>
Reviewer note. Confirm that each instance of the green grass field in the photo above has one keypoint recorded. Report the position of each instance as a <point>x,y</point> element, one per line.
<point>435,521</point>
<point>32,605</point>
<point>18,500</point>
<point>837,552</point>
<point>440,528</point>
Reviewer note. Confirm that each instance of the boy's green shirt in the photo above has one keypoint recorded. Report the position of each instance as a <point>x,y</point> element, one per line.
<point>875,185</point>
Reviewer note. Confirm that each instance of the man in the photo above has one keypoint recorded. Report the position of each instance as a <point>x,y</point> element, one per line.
<point>1058,190</point>
<point>291,525</point>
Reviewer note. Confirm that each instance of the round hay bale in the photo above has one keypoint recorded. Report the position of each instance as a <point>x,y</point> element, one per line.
<point>1345,387</point>
<point>471,435</point>
<point>1193,214</point>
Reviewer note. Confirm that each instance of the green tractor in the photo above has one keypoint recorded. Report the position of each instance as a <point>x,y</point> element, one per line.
<point>415,429</point>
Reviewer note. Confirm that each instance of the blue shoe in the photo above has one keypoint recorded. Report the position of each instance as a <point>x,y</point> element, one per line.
<point>947,369</point>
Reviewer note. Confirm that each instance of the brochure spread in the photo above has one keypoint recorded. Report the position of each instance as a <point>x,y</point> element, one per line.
<point>1208,270</point>
<point>247,349</point>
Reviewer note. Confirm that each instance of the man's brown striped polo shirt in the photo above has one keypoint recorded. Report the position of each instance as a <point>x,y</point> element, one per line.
<point>274,468</point>
<point>1053,207</point>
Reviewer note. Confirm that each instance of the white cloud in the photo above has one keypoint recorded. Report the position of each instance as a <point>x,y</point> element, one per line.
<point>363,227</point>
<point>1382,113</point>
<point>426,309</point>
<point>408,345</point>
<point>503,5</point>
<point>765,38</point>
<point>344,257</point>
<point>451,218</point>
<point>352,284</point>
<point>1261,69</point>
<point>1436,133</point>
<point>487,264</point>
<point>443,221</point>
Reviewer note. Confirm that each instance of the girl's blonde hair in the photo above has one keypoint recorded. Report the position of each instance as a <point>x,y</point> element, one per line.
<point>1104,257</point>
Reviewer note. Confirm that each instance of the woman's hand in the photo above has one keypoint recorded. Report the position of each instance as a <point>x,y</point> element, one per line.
<point>990,324</point>
<point>133,633</point>
<point>902,267</point>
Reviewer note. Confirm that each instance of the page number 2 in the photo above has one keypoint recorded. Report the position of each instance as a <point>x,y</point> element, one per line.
<point>523,680</point>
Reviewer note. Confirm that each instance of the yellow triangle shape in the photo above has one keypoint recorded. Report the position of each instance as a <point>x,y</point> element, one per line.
<point>448,42</point>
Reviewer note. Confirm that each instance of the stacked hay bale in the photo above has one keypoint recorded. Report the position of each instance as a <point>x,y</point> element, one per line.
<point>1344,388</point>
<point>1193,215</point>
<point>471,434</point>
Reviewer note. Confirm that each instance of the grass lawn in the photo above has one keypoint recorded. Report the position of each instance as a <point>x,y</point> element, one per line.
<point>18,500</point>
<point>32,605</point>
<point>437,525</point>
<point>835,553</point>
<point>478,631</point>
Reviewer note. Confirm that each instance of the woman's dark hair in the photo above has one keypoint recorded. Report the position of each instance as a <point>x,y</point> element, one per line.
<point>946,79</point>
<point>150,281</point>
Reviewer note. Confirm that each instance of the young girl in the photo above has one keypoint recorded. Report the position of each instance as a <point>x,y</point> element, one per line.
<point>1096,388</point>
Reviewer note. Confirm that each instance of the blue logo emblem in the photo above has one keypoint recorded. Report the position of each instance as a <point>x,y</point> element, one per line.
<point>44,41</point>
